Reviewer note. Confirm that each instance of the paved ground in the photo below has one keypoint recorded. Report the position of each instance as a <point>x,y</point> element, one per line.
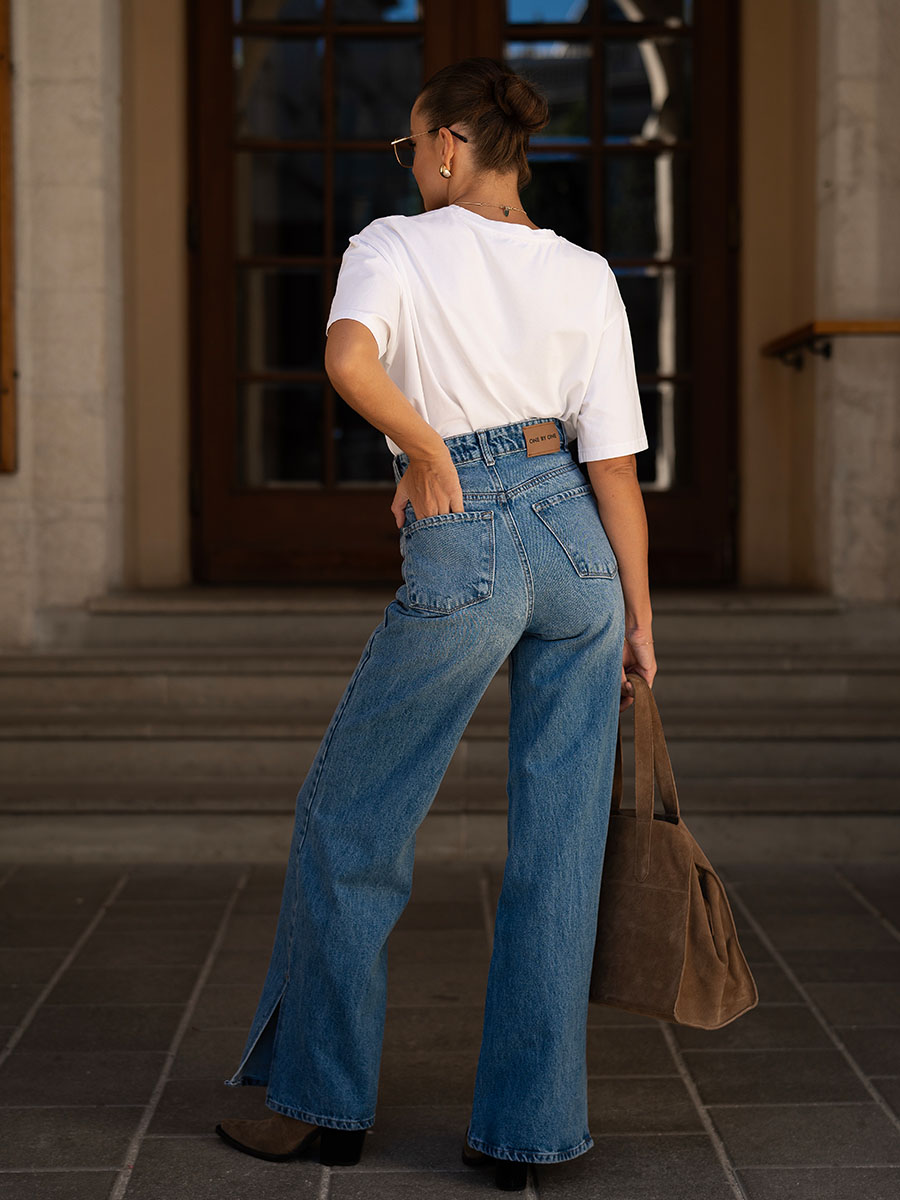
<point>126,995</point>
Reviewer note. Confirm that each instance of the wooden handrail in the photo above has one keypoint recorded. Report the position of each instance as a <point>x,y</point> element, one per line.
<point>816,336</point>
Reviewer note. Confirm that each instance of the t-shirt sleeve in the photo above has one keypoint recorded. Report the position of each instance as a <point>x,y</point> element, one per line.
<point>367,290</point>
<point>610,421</point>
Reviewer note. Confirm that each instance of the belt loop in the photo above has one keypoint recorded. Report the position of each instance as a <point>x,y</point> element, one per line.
<point>484,446</point>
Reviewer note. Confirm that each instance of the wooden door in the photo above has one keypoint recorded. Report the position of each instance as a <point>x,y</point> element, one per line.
<point>293,105</point>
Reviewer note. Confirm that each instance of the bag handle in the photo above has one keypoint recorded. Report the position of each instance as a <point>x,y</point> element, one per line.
<point>651,761</point>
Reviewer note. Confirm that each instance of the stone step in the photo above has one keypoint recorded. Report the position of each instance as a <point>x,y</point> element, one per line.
<point>192,679</point>
<point>773,741</point>
<point>696,795</point>
<point>344,616</point>
<point>442,836</point>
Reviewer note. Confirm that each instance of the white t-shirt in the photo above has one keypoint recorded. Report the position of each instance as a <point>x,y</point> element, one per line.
<point>480,323</point>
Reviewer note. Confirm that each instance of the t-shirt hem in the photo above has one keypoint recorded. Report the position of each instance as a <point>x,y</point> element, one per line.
<point>372,321</point>
<point>612,450</point>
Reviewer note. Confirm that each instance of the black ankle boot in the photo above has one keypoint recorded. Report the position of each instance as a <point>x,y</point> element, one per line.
<point>341,1147</point>
<point>510,1175</point>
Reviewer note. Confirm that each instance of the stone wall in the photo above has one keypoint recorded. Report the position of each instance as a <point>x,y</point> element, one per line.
<point>61,527</point>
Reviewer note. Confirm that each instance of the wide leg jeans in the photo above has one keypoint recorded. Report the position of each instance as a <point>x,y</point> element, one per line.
<point>527,573</point>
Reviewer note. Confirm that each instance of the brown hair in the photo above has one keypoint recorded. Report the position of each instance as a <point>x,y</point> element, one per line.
<point>499,108</point>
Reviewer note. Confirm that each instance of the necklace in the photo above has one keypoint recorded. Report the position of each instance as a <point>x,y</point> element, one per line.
<point>506,207</point>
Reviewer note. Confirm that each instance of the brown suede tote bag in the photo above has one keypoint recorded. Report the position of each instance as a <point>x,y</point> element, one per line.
<point>666,942</point>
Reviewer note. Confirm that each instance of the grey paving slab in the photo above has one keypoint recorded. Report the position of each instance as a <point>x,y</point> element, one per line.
<point>125,948</point>
<point>441,946</point>
<point>773,1076</point>
<point>415,1138</point>
<point>102,1027</point>
<point>30,966</point>
<point>774,985</point>
<point>438,881</point>
<point>412,1185</point>
<point>785,873</point>
<point>134,985</point>
<point>432,1029</point>
<point>638,1167</point>
<point>607,1014</point>
<point>435,983</point>
<point>876,1050</point>
<point>66,1137</point>
<point>208,1053</point>
<point>56,1185</point>
<point>658,1105</point>
<point>754,948</point>
<point>889,1087</point>
<point>164,915</point>
<point>628,1051</point>
<point>171,881</point>
<point>208,1169</point>
<point>250,931</point>
<point>97,876</point>
<point>821,1183</point>
<point>828,931</point>
<point>880,884</point>
<point>857,1003</point>
<point>49,900</point>
<point>807,1134</point>
<point>419,1077</point>
<point>239,967</point>
<point>34,931</point>
<point>843,965</point>
<point>72,1077</point>
<point>766,1027</point>
<point>800,897</point>
<point>226,1006</point>
<point>192,1107</point>
<point>16,1000</point>
<point>444,914</point>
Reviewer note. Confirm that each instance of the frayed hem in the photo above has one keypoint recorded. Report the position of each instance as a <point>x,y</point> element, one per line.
<point>328,1122</point>
<point>245,1081</point>
<point>530,1156</point>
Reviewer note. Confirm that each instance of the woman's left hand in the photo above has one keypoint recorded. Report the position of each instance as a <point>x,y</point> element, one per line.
<point>431,485</point>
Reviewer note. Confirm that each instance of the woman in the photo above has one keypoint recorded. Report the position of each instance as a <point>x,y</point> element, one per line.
<point>479,344</point>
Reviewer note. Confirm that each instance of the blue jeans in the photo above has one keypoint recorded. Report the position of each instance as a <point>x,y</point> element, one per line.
<point>525,572</point>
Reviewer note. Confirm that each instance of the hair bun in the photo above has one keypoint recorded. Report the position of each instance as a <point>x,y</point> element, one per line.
<point>517,99</point>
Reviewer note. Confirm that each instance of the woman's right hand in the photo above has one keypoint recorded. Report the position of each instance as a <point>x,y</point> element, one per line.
<point>638,658</point>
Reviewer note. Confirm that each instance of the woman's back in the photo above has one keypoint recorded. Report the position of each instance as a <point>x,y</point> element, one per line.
<point>480,323</point>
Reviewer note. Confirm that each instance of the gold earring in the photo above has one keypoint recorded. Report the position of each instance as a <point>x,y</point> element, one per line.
<point>445,171</point>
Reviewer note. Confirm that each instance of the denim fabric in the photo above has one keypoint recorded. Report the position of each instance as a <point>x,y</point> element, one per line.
<point>525,572</point>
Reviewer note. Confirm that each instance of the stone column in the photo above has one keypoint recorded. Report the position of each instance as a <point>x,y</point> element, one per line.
<point>857,445</point>
<point>61,513</point>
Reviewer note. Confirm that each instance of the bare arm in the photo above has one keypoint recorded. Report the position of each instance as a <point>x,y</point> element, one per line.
<point>621,507</point>
<point>431,482</point>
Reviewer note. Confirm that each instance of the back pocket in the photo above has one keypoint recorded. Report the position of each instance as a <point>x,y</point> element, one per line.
<point>448,561</point>
<point>573,519</point>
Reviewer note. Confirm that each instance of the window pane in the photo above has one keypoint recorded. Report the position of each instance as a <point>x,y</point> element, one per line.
<point>575,12</point>
<point>667,461</point>
<point>561,70</point>
<point>279,435</point>
<point>278,318</point>
<point>378,10</point>
<point>278,87</point>
<point>376,80</point>
<point>659,316</point>
<point>278,203</point>
<point>647,205</point>
<point>361,453</point>
<point>558,196</point>
<point>367,186</point>
<point>648,89</point>
<point>671,12</point>
<point>278,10</point>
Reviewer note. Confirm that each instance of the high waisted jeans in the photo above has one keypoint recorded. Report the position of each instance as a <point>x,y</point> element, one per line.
<point>525,572</point>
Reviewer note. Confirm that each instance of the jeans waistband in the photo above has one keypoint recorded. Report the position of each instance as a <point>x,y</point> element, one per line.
<point>491,443</point>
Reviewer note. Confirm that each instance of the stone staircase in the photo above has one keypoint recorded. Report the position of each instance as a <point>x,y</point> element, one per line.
<point>178,726</point>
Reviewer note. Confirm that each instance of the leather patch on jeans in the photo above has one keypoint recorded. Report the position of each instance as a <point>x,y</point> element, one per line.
<point>542,439</point>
